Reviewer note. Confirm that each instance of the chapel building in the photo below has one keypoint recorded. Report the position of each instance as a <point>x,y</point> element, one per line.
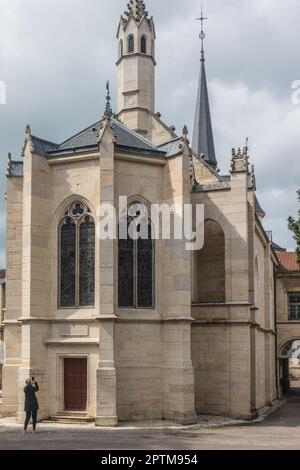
<point>127,330</point>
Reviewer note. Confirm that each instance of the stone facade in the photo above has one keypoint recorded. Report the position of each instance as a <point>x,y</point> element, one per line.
<point>288,329</point>
<point>2,312</point>
<point>208,344</point>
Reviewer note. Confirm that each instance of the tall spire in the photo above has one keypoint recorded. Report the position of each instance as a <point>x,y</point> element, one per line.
<point>203,138</point>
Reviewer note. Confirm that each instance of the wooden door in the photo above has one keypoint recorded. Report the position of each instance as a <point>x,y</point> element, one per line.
<point>75,384</point>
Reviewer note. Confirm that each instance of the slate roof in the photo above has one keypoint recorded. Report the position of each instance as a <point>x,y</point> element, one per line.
<point>16,169</point>
<point>258,209</point>
<point>87,140</point>
<point>171,147</point>
<point>288,260</point>
<point>42,147</point>
<point>278,248</point>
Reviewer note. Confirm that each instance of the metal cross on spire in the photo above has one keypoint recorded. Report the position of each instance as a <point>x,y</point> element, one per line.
<point>202,34</point>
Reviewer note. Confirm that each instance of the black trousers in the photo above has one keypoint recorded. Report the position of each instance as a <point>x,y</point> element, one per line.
<point>30,414</point>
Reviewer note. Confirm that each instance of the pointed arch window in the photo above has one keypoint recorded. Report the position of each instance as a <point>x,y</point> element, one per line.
<point>130,44</point>
<point>77,257</point>
<point>136,262</point>
<point>143,45</point>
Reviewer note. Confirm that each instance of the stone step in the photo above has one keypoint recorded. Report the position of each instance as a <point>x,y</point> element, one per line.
<point>79,414</point>
<point>67,418</point>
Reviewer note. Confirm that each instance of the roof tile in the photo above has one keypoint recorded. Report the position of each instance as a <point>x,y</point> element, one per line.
<point>288,260</point>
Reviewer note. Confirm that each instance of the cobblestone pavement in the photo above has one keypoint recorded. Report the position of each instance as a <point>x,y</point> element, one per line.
<point>281,430</point>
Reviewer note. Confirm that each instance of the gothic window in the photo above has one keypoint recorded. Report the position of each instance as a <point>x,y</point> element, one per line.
<point>121,48</point>
<point>77,258</point>
<point>143,45</point>
<point>136,267</point>
<point>294,306</point>
<point>130,44</point>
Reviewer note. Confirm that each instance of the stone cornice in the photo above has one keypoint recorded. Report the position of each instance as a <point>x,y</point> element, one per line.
<point>209,187</point>
<point>136,54</point>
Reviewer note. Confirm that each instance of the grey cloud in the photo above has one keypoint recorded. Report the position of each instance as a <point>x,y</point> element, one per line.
<point>55,57</point>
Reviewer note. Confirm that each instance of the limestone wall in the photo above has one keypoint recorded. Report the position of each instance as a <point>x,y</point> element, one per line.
<point>221,359</point>
<point>260,372</point>
<point>139,370</point>
<point>12,333</point>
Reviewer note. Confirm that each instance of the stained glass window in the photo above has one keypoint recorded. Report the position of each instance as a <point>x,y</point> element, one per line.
<point>87,262</point>
<point>145,252</point>
<point>77,258</point>
<point>136,271</point>
<point>67,263</point>
<point>126,273</point>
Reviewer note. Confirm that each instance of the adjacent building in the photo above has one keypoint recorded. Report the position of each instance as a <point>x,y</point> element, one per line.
<point>2,312</point>
<point>288,319</point>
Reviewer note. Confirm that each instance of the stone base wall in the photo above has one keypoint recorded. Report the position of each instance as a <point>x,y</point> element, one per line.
<point>139,371</point>
<point>224,370</point>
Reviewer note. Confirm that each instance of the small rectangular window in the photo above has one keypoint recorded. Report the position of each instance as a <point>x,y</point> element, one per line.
<point>294,306</point>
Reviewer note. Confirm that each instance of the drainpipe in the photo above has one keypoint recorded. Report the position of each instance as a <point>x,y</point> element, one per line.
<point>276,341</point>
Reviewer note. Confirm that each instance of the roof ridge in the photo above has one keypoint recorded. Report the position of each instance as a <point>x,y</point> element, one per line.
<point>169,141</point>
<point>44,140</point>
<point>136,134</point>
<point>80,132</point>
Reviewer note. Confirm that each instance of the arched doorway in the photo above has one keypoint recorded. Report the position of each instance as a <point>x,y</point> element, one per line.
<point>289,366</point>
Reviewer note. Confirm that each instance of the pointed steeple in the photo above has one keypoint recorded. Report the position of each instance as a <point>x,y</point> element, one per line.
<point>203,138</point>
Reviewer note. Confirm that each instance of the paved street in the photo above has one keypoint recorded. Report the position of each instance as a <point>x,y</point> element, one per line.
<point>281,430</point>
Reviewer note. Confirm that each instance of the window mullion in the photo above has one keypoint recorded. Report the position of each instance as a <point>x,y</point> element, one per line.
<point>135,266</point>
<point>77,273</point>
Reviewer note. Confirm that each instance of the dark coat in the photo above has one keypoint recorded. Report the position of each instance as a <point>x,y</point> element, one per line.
<point>31,403</point>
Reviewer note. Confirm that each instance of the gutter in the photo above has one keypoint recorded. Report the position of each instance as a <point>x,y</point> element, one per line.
<point>276,338</point>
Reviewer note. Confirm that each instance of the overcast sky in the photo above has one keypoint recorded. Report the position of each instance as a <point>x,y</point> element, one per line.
<point>55,56</point>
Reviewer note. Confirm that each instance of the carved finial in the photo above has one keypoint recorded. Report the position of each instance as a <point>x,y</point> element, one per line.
<point>240,160</point>
<point>184,138</point>
<point>246,148</point>
<point>136,9</point>
<point>253,178</point>
<point>28,140</point>
<point>108,110</point>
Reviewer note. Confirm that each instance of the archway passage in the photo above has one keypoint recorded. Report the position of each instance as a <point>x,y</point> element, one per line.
<point>289,367</point>
<point>209,266</point>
